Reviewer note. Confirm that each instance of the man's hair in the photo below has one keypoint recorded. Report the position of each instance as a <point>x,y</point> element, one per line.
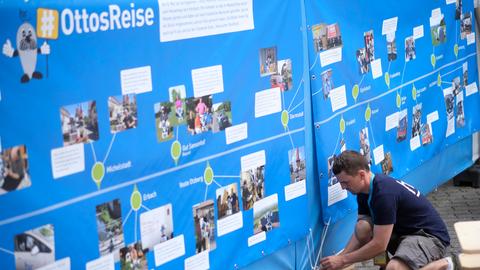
<point>350,162</point>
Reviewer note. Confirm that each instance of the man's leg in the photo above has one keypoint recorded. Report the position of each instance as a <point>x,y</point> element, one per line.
<point>363,234</point>
<point>441,264</point>
<point>396,264</point>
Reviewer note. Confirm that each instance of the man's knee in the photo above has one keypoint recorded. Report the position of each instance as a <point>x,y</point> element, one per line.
<point>363,231</point>
<point>397,265</point>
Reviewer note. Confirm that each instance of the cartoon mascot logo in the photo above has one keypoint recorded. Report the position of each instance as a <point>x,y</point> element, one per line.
<point>27,49</point>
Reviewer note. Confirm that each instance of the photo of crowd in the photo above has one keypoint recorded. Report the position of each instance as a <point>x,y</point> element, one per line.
<point>35,248</point>
<point>456,86</point>
<point>326,37</point>
<point>327,83</point>
<point>122,112</point>
<point>427,135</point>
<point>199,114</point>
<point>296,159</point>
<point>268,61</point>
<point>164,117</point>
<point>365,145</point>
<point>391,47</point>
<point>203,219</point>
<point>362,61</point>
<point>177,98</point>
<point>285,72</point>
<point>402,125</point>
<point>369,46</point>
<point>79,123</point>
<point>14,170</point>
<point>222,116</point>
<point>133,257</point>
<point>410,53</point>
<point>416,120</point>
<point>465,25</point>
<point>109,228</point>
<point>227,200</point>
<point>265,214</point>
<point>253,186</point>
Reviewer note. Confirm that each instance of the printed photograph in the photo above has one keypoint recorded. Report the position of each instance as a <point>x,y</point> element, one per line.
<point>222,116</point>
<point>410,53</point>
<point>365,145</point>
<point>465,74</point>
<point>164,120</point>
<point>449,102</point>
<point>203,219</point>
<point>460,110</point>
<point>326,37</point>
<point>438,30</point>
<point>327,82</point>
<point>253,186</point>
<point>427,136</point>
<point>402,125</point>
<point>387,166</point>
<point>458,9</point>
<point>268,61</point>
<point>465,25</point>
<point>391,47</point>
<point>297,164</point>
<point>34,248</point>
<point>362,61</point>
<point>122,112</point>
<point>227,200</point>
<point>332,179</point>
<point>456,86</point>
<point>177,98</point>
<point>369,46</point>
<point>156,226</point>
<point>109,228</point>
<point>133,257</point>
<point>199,114</point>
<point>79,123</point>
<point>265,214</point>
<point>14,170</point>
<point>285,67</point>
<point>416,120</point>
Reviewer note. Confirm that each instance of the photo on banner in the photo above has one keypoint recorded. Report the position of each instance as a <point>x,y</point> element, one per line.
<point>14,169</point>
<point>35,248</point>
<point>122,112</point>
<point>110,228</point>
<point>297,164</point>
<point>204,222</point>
<point>79,123</point>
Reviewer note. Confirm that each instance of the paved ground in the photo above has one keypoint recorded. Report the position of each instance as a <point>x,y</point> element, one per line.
<point>454,204</point>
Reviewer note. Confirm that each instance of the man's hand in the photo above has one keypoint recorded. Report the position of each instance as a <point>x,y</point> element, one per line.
<point>7,48</point>
<point>45,48</point>
<point>332,262</point>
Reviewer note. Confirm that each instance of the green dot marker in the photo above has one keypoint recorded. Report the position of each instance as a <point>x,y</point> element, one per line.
<point>414,92</point>
<point>342,125</point>
<point>399,100</point>
<point>368,113</point>
<point>433,59</point>
<point>136,199</point>
<point>355,91</point>
<point>387,79</point>
<point>208,175</point>
<point>176,150</point>
<point>455,50</point>
<point>98,172</point>
<point>439,80</point>
<point>284,119</point>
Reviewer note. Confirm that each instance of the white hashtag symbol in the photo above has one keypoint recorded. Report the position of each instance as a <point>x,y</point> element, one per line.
<point>47,23</point>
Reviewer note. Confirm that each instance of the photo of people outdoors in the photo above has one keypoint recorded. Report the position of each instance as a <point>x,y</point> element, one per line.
<point>465,25</point>
<point>79,123</point>
<point>365,145</point>
<point>332,179</point>
<point>416,120</point>
<point>109,228</point>
<point>265,214</point>
<point>34,248</point>
<point>427,135</point>
<point>402,125</point>
<point>458,9</point>
<point>387,165</point>
<point>222,116</point>
<point>449,102</point>
<point>296,159</point>
<point>456,86</point>
<point>438,30</point>
<point>133,257</point>
<point>391,47</point>
<point>460,110</point>
<point>362,61</point>
<point>253,186</point>
<point>285,71</point>
<point>203,219</point>
<point>14,170</point>
<point>410,53</point>
<point>227,200</point>
<point>268,61</point>
<point>327,83</point>
<point>326,37</point>
<point>164,118</point>
<point>369,46</point>
<point>199,114</point>
<point>177,97</point>
<point>465,74</point>
<point>122,112</point>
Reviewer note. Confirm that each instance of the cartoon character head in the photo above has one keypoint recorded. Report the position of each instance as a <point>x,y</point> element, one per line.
<point>26,37</point>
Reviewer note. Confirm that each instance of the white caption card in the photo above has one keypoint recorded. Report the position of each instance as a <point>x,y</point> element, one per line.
<point>136,80</point>
<point>391,121</point>
<point>229,224</point>
<point>432,117</point>
<point>471,38</point>
<point>471,89</point>
<point>377,68</point>
<point>295,190</point>
<point>331,56</point>
<point>200,261</point>
<point>236,133</point>
<point>418,32</point>
<point>338,98</point>
<point>336,193</point>
<point>378,154</point>
<point>267,102</point>
<point>207,80</point>
<point>389,25</point>
<point>450,127</point>
<point>257,238</point>
<point>253,160</point>
<point>169,250</point>
<point>68,160</point>
<point>63,264</point>
<point>415,143</point>
<point>106,262</point>
<point>151,223</point>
